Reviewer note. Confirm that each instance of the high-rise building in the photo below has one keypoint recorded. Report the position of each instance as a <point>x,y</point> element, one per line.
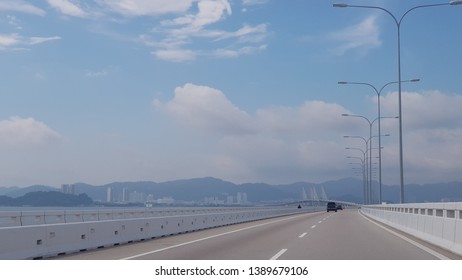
<point>109,194</point>
<point>68,188</point>
<point>241,198</point>
<point>125,195</point>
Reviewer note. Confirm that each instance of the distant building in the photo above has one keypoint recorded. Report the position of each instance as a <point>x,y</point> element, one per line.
<point>125,195</point>
<point>137,197</point>
<point>109,197</point>
<point>165,200</point>
<point>213,201</point>
<point>150,198</point>
<point>229,200</point>
<point>242,198</point>
<point>68,188</point>
<point>304,195</point>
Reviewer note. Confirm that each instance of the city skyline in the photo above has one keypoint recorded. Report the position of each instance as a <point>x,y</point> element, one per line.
<point>101,91</point>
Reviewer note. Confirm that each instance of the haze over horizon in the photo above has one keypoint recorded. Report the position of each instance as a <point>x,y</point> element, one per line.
<point>100,91</point>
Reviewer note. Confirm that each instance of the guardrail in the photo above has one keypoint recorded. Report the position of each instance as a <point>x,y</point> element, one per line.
<point>437,223</point>
<point>41,234</point>
<point>28,218</point>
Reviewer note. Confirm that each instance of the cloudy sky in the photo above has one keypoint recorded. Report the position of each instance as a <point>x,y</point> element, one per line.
<point>98,91</point>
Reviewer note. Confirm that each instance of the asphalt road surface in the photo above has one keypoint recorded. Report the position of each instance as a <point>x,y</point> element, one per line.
<point>342,235</point>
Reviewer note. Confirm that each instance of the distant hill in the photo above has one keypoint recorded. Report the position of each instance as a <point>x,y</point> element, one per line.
<point>47,198</point>
<point>17,192</point>
<point>346,189</point>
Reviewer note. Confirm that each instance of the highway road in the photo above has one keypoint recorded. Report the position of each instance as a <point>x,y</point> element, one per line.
<point>342,235</point>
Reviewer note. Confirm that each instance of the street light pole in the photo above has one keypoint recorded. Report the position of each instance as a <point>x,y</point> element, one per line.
<point>370,144</point>
<point>378,92</point>
<point>398,25</point>
<point>363,165</point>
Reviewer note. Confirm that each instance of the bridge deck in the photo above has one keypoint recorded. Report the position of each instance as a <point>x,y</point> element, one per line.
<point>344,235</point>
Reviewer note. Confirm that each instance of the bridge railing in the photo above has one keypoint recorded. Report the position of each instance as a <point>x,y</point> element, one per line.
<point>38,234</point>
<point>437,223</point>
<point>28,218</point>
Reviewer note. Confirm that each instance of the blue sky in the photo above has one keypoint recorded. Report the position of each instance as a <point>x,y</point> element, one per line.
<point>98,91</point>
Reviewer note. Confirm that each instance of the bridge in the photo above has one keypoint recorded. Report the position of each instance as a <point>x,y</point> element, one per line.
<point>374,232</point>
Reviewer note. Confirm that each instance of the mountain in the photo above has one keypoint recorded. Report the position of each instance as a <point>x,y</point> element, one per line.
<point>17,192</point>
<point>47,198</point>
<point>199,189</point>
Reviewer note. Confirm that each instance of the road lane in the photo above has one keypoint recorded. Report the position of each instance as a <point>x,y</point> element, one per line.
<point>342,235</point>
<point>349,236</point>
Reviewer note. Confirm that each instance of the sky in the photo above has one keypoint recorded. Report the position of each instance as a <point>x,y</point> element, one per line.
<point>99,91</point>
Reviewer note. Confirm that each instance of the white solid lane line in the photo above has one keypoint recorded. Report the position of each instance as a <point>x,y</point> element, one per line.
<point>280,253</point>
<point>209,237</point>
<point>418,245</point>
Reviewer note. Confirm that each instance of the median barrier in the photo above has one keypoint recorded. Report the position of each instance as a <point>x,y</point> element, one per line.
<point>42,234</point>
<point>10,219</point>
<point>437,223</point>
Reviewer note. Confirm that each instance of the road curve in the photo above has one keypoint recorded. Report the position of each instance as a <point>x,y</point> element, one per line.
<point>342,235</point>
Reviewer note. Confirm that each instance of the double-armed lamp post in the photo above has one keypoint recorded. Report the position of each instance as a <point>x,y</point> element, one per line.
<point>378,92</point>
<point>398,25</point>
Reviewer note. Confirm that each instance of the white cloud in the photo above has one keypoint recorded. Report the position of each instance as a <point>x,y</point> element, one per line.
<point>432,130</point>
<point>26,132</point>
<point>286,144</point>
<point>8,40</point>
<point>429,109</point>
<point>209,11</point>
<point>16,41</point>
<point>210,109</point>
<point>183,34</point>
<point>276,144</point>
<point>178,33</point>
<point>245,34</point>
<point>206,108</point>
<point>175,55</point>
<point>364,36</point>
<point>40,40</point>
<point>253,2</point>
<point>230,53</point>
<point>21,6</point>
<point>68,8</point>
<point>312,120</point>
<point>146,8</point>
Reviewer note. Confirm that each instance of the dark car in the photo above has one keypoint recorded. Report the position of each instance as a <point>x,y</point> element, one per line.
<point>339,207</point>
<point>331,206</point>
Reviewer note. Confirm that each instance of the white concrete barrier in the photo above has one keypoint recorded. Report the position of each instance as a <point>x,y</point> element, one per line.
<point>437,223</point>
<point>41,234</point>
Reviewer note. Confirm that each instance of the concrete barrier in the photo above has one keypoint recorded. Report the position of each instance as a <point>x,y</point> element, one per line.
<point>436,223</point>
<point>41,234</point>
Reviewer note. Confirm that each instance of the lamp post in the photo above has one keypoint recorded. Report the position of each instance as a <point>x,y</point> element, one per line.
<point>398,25</point>
<point>378,92</point>
<point>364,165</point>
<point>363,171</point>
<point>370,141</point>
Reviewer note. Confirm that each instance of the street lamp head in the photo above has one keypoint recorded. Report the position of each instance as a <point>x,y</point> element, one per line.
<point>451,3</point>
<point>414,80</point>
<point>345,115</point>
<point>343,5</point>
<point>342,83</point>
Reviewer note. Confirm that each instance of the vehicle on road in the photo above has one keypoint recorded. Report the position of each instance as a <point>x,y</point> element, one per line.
<point>331,206</point>
<point>339,207</point>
